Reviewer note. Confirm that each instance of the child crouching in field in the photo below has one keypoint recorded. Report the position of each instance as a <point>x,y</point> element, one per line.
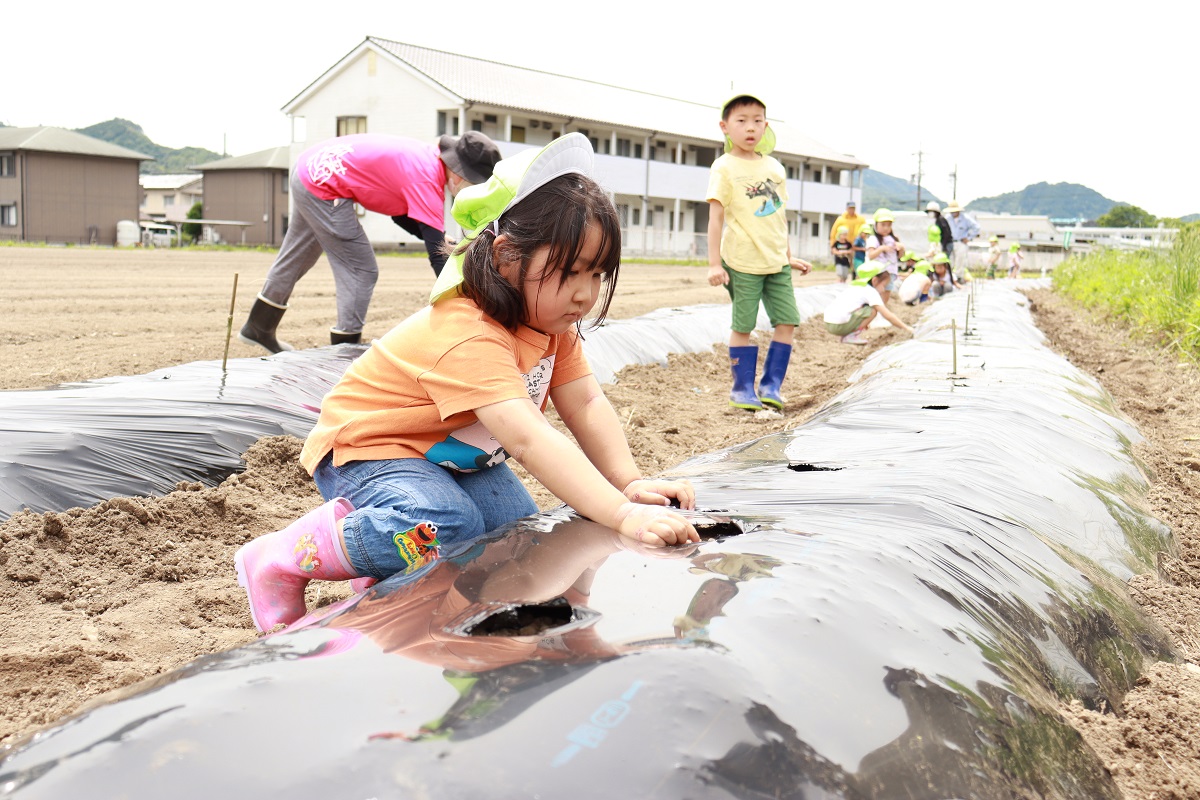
<point>410,445</point>
<point>851,311</point>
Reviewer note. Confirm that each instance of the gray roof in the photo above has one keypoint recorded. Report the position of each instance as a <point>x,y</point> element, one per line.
<point>271,158</point>
<point>61,140</point>
<point>168,181</point>
<point>492,83</point>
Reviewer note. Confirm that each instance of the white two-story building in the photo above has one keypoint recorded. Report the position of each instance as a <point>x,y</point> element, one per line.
<point>653,152</point>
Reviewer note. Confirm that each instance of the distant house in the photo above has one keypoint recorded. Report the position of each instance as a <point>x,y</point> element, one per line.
<point>251,188</point>
<point>63,187</point>
<point>653,152</point>
<point>168,198</point>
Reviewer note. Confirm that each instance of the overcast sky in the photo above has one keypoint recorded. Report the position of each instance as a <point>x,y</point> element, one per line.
<point>1009,94</point>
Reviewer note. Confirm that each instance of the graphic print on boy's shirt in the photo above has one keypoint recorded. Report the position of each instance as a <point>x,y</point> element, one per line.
<point>473,448</point>
<point>771,200</point>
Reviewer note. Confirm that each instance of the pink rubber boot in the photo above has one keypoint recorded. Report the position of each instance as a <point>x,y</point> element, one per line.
<point>275,568</point>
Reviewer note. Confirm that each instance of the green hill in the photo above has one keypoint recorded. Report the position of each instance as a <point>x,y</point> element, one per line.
<point>1055,200</point>
<point>167,161</point>
<point>886,191</point>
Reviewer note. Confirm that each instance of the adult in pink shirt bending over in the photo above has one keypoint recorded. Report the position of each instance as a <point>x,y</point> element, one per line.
<point>403,178</point>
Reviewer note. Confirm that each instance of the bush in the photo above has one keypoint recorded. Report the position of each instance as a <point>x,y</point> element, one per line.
<point>190,229</point>
<point>1155,291</point>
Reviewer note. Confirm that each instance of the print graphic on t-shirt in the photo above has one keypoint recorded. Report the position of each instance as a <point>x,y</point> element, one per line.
<point>766,190</point>
<point>473,448</point>
<point>327,162</point>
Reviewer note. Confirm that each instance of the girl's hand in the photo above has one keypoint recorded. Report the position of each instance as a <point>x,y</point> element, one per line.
<point>648,491</point>
<point>654,525</point>
<point>717,276</point>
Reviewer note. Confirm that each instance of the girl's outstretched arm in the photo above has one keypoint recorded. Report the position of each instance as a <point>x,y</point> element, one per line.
<point>593,422</point>
<point>559,465</point>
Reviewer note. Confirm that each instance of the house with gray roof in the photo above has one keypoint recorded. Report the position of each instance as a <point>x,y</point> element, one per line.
<point>168,198</point>
<point>652,152</point>
<point>63,187</point>
<point>253,188</point>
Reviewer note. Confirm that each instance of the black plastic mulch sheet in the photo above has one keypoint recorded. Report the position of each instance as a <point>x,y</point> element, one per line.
<point>82,443</point>
<point>889,603</point>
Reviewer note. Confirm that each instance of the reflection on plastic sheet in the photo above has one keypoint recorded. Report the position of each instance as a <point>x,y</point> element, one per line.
<point>900,620</point>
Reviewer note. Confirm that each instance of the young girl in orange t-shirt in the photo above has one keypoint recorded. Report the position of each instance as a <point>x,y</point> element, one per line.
<point>410,445</point>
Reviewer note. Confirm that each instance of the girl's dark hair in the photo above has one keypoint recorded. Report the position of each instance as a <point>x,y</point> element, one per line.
<point>555,215</point>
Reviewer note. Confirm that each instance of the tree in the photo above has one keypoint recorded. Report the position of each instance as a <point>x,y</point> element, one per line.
<point>1126,217</point>
<point>190,229</point>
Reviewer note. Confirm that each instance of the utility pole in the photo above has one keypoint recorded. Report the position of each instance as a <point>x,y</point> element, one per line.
<point>954,183</point>
<point>917,178</point>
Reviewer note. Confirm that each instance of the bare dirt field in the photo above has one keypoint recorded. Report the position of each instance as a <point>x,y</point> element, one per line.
<point>98,598</point>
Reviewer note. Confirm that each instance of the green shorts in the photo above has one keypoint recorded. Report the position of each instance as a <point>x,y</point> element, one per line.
<point>774,291</point>
<point>860,315</point>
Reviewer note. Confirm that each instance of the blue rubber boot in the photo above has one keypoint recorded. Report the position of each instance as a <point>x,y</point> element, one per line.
<point>744,362</point>
<point>775,368</point>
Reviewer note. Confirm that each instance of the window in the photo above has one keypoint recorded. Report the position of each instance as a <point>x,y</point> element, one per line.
<point>8,166</point>
<point>623,214</point>
<point>607,146</point>
<point>441,123</point>
<point>653,153</point>
<point>835,176</point>
<point>350,125</point>
<point>8,216</point>
<point>637,150</point>
<point>283,183</point>
<point>489,118</point>
<point>816,175</point>
<point>518,134</point>
<point>637,216</point>
<point>649,218</point>
<point>168,200</point>
<point>816,229</point>
<point>791,172</point>
<point>623,148</point>
<point>454,125</point>
<point>595,143</point>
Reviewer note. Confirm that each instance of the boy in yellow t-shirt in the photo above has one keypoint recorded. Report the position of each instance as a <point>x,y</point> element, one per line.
<point>748,251</point>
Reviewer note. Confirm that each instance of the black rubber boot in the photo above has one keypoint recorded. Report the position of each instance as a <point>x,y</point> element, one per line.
<point>337,337</point>
<point>260,327</point>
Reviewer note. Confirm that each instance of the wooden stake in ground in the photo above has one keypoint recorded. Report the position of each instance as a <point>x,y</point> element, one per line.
<point>229,323</point>
<point>954,347</point>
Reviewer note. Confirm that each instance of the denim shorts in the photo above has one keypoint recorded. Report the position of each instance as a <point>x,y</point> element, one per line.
<point>409,511</point>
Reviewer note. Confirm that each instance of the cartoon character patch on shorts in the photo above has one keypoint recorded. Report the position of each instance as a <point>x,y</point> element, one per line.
<point>418,545</point>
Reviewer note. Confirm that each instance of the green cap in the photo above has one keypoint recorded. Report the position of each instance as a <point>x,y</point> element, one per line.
<point>923,266</point>
<point>1014,247</point>
<point>513,179</point>
<point>868,271</point>
<point>940,258</point>
<point>884,215</point>
<point>766,145</point>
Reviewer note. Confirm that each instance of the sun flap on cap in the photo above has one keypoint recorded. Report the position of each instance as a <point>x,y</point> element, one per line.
<point>513,179</point>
